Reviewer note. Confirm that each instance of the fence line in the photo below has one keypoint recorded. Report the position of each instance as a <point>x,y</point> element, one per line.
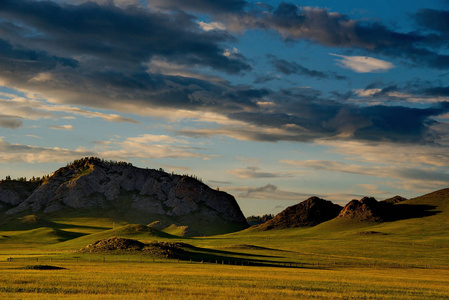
<point>116,259</point>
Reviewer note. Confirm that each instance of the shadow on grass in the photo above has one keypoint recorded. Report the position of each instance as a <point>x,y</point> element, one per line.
<point>395,212</point>
<point>197,254</point>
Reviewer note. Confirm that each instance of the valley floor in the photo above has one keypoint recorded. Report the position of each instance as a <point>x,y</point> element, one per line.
<point>184,280</point>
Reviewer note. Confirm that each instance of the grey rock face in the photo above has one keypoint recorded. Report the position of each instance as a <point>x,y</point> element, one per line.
<point>94,184</point>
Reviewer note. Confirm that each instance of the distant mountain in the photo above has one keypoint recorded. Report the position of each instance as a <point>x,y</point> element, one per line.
<point>310,212</point>
<point>95,187</point>
<point>394,200</point>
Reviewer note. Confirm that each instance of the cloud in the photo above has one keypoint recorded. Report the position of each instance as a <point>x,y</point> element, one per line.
<point>274,193</point>
<point>109,35</point>
<point>363,64</point>
<point>150,146</point>
<point>33,154</point>
<point>289,68</point>
<point>211,26</point>
<point>141,68</point>
<point>35,109</point>
<point>254,172</point>
<point>299,117</point>
<point>333,29</point>
<point>422,174</point>
<point>405,155</point>
<point>61,127</point>
<point>204,6</point>
<point>152,138</point>
<point>143,147</point>
<point>10,122</point>
<point>436,20</point>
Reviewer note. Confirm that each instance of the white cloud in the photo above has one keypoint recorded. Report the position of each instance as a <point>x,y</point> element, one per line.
<point>35,109</point>
<point>62,127</point>
<point>150,146</point>
<point>211,26</point>
<point>33,154</point>
<point>363,64</point>
<point>390,153</point>
<point>152,138</point>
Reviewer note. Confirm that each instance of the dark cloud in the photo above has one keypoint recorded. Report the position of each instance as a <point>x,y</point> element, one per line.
<point>264,78</point>
<point>333,29</point>
<point>436,20</point>
<point>271,188</point>
<point>289,68</point>
<point>425,90</point>
<point>440,91</point>
<point>23,60</point>
<point>305,117</point>
<point>98,56</point>
<point>108,34</point>
<point>398,124</point>
<point>205,6</point>
<point>10,122</point>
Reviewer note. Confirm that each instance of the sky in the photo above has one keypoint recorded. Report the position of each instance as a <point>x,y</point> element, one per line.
<point>272,102</point>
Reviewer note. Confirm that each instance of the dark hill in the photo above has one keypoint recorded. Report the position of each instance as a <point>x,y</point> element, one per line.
<point>14,192</point>
<point>120,191</point>
<point>310,212</point>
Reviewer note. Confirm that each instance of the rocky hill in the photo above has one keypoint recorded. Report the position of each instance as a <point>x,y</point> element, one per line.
<point>366,209</point>
<point>310,212</point>
<point>124,193</point>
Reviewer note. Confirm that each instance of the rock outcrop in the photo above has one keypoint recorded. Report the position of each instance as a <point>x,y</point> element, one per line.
<point>310,212</point>
<point>130,193</point>
<point>366,209</point>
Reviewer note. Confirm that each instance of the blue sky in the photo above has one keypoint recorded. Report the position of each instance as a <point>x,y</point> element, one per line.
<point>270,101</point>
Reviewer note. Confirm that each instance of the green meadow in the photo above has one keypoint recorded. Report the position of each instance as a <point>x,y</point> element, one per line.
<point>338,259</point>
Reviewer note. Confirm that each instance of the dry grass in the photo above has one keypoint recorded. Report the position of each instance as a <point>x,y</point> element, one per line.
<point>172,280</point>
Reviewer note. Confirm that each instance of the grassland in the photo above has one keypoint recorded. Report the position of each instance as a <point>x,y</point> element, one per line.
<point>171,280</point>
<point>338,259</point>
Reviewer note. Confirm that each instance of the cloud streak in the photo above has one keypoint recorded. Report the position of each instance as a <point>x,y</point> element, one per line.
<point>363,64</point>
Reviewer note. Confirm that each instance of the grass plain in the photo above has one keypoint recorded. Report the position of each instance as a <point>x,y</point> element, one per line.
<point>338,259</point>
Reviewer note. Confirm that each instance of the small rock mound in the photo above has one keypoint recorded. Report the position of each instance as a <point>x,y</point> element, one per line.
<point>114,243</point>
<point>165,249</point>
<point>310,212</point>
<point>366,209</point>
<point>160,249</point>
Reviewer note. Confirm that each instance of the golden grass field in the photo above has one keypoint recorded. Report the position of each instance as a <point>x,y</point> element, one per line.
<point>184,280</point>
<point>338,259</point>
